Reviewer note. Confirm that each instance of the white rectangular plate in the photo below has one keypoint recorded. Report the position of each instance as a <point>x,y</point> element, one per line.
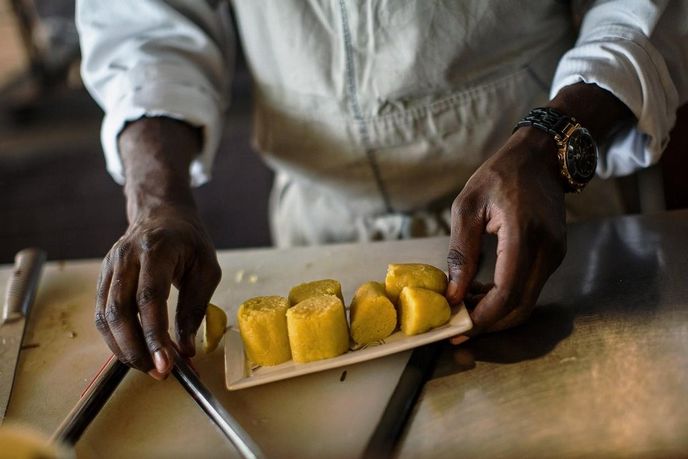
<point>239,375</point>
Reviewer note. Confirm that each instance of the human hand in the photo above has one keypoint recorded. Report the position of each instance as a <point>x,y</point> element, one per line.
<point>167,247</point>
<point>518,196</point>
<point>164,245</point>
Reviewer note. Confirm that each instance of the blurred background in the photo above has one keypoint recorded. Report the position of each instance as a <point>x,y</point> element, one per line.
<point>56,194</point>
<point>54,190</point>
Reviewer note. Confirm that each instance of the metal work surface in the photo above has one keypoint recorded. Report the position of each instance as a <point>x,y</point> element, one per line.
<point>600,370</point>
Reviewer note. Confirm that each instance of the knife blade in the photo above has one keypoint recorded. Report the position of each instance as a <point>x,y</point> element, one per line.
<point>21,290</point>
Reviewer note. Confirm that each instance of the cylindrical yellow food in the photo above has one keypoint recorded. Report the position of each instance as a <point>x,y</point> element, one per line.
<point>317,328</point>
<point>373,316</point>
<point>413,275</point>
<point>319,287</point>
<point>263,327</point>
<point>422,310</point>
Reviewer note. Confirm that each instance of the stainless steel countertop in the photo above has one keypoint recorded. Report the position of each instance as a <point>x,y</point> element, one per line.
<point>600,370</point>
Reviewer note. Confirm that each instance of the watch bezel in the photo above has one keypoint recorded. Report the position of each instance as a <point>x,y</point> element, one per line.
<point>564,154</point>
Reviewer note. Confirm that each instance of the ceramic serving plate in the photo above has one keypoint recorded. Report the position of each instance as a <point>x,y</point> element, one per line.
<point>240,373</point>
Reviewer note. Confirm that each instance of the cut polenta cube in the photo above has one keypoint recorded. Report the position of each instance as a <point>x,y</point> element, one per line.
<point>315,288</point>
<point>263,328</point>
<point>317,328</point>
<point>422,310</point>
<point>413,275</point>
<point>373,316</point>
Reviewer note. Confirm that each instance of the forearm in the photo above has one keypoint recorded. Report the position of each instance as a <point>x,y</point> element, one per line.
<point>156,154</point>
<point>598,110</point>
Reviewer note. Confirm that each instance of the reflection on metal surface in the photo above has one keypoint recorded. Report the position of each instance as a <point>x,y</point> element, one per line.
<point>601,368</point>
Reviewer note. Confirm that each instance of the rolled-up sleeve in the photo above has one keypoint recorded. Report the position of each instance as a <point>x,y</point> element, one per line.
<point>637,50</point>
<point>157,58</point>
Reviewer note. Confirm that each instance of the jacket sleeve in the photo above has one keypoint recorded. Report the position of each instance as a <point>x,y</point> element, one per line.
<point>157,58</point>
<point>637,50</point>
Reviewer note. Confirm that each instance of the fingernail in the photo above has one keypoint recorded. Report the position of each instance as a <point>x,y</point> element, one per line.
<point>155,374</point>
<point>162,361</point>
<point>452,289</point>
<point>456,340</point>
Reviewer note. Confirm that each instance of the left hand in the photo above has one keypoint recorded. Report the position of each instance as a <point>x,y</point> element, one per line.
<point>518,196</point>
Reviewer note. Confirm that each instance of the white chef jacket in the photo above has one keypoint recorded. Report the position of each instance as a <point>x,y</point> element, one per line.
<point>375,113</point>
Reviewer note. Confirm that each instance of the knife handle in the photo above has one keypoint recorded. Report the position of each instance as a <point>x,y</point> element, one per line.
<point>21,288</point>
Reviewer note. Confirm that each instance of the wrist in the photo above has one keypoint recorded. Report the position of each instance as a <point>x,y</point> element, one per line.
<point>541,150</point>
<point>156,154</point>
<point>596,109</point>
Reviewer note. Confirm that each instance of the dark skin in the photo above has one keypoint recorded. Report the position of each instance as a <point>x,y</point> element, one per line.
<point>165,244</point>
<point>517,195</point>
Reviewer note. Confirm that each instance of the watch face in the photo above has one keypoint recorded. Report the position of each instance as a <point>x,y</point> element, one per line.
<point>581,156</point>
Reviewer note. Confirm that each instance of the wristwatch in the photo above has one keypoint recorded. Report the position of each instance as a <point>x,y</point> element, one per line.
<point>576,149</point>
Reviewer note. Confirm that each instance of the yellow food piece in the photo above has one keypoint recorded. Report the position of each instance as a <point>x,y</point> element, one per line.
<point>422,310</point>
<point>22,442</point>
<point>373,316</point>
<point>263,327</point>
<point>215,326</point>
<point>317,328</point>
<point>413,275</point>
<point>319,287</point>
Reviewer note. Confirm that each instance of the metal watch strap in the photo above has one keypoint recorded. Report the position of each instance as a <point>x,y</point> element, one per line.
<point>547,119</point>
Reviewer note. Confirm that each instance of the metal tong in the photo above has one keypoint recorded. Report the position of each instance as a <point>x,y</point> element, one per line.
<point>111,375</point>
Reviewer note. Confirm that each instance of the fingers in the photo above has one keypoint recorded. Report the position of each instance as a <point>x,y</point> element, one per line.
<point>195,291</point>
<point>464,250</point>
<point>155,279</point>
<point>512,268</point>
<point>545,264</point>
<point>102,290</point>
<point>121,313</point>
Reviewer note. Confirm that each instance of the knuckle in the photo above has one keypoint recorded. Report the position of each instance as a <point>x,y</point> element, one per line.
<point>102,288</point>
<point>152,239</point>
<point>101,321</point>
<point>114,315</point>
<point>456,258</point>
<point>121,251</point>
<point>152,339</point>
<point>135,360</point>
<point>107,262</point>
<point>460,206</point>
<point>146,295</point>
<point>465,204</point>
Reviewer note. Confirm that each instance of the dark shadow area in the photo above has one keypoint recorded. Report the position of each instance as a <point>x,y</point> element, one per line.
<point>549,325</point>
<point>613,269</point>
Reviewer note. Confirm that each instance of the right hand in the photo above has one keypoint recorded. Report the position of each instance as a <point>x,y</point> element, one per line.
<point>164,245</point>
<point>167,247</point>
